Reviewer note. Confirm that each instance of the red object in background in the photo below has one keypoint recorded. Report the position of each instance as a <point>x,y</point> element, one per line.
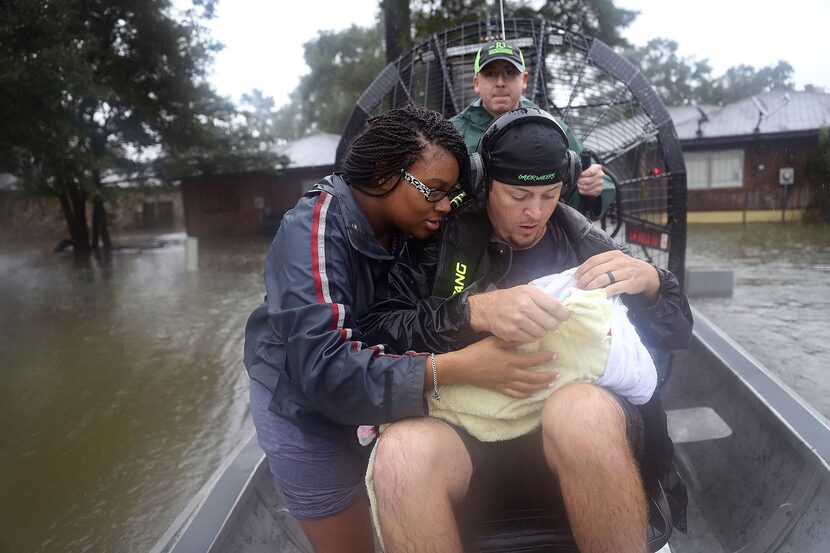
<point>646,237</point>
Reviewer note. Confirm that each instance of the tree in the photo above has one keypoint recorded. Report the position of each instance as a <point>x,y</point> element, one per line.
<point>600,18</point>
<point>396,25</point>
<point>92,90</point>
<point>342,66</point>
<point>683,80</point>
<point>431,16</point>
<point>744,81</point>
<point>678,80</point>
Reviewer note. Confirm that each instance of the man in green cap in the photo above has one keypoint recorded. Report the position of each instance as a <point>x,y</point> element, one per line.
<point>500,78</point>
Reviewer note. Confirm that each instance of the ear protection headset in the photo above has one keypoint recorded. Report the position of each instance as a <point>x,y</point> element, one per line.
<point>480,162</point>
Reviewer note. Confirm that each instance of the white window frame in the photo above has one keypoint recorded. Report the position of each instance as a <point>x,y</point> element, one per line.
<point>705,170</point>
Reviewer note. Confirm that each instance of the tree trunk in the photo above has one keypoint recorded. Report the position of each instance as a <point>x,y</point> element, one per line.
<point>100,231</point>
<point>397,24</point>
<point>73,205</point>
<point>96,239</point>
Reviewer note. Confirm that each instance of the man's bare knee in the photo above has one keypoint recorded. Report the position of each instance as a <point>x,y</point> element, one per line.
<point>578,406</point>
<point>581,421</point>
<point>418,452</point>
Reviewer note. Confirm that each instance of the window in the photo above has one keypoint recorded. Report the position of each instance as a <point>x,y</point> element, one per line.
<point>720,169</point>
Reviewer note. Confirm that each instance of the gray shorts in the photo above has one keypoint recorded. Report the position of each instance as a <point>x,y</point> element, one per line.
<point>321,473</point>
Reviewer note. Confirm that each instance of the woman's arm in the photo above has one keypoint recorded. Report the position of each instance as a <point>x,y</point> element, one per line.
<point>309,273</point>
<point>406,316</point>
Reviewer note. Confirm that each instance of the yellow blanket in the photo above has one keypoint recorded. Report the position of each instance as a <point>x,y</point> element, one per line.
<point>582,343</point>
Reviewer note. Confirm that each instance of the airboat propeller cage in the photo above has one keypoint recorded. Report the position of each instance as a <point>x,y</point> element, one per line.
<point>604,99</point>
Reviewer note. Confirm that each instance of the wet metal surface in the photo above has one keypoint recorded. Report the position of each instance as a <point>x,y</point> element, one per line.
<point>780,308</point>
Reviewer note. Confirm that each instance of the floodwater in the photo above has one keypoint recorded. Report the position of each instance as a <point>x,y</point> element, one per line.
<point>780,307</point>
<point>123,388</point>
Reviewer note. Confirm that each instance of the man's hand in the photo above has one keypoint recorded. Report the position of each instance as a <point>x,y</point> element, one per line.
<point>591,180</point>
<point>491,363</point>
<point>519,314</point>
<point>619,274</point>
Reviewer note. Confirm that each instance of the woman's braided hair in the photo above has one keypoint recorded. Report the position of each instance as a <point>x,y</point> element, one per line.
<point>395,140</point>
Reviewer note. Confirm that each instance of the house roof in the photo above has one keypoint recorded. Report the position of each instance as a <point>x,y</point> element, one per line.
<point>785,112</point>
<point>311,151</point>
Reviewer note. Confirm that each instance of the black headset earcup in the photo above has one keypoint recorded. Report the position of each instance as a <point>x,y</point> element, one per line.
<point>478,177</point>
<point>574,170</point>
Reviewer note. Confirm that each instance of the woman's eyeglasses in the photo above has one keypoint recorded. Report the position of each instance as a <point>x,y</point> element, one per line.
<point>431,194</point>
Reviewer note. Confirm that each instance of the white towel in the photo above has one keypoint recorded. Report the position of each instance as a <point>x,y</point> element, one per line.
<point>629,371</point>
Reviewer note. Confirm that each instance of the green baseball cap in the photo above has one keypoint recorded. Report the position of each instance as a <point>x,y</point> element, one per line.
<point>499,50</point>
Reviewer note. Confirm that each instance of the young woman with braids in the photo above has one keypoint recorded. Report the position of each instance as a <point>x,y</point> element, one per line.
<point>313,378</point>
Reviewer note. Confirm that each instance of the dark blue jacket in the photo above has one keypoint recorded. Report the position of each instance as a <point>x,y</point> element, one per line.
<point>302,342</point>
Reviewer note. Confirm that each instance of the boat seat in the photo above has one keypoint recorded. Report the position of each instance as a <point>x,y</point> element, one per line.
<point>543,527</point>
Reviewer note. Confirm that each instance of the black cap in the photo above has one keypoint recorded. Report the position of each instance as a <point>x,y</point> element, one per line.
<point>528,153</point>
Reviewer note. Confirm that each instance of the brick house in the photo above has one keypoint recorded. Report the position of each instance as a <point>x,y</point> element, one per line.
<point>747,161</point>
<point>254,202</point>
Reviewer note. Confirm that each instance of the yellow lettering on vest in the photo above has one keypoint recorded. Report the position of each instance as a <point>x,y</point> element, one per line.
<point>460,276</point>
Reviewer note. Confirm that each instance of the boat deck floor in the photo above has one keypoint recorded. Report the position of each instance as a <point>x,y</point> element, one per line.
<point>267,526</point>
<point>698,539</point>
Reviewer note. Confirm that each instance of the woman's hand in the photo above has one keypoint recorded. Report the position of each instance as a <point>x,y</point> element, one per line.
<point>491,363</point>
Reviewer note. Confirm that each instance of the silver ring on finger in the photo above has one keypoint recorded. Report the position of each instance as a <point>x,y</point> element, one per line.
<point>611,277</point>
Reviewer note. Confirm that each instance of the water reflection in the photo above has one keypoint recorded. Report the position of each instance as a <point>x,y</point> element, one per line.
<point>781,301</point>
<point>123,389</point>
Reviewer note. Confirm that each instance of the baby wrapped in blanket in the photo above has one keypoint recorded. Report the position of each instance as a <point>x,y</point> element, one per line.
<point>597,344</point>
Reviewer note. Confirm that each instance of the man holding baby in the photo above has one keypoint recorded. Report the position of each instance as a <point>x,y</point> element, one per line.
<point>593,444</point>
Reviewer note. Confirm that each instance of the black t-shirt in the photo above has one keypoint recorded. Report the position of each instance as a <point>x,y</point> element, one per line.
<point>552,254</point>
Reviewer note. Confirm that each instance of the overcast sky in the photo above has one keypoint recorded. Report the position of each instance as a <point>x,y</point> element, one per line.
<point>263,38</point>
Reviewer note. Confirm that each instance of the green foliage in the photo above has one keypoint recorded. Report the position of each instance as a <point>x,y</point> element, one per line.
<point>677,79</point>
<point>683,80</point>
<point>744,81</point>
<point>599,18</point>
<point>431,16</point>
<point>92,90</point>
<point>396,24</point>
<point>342,65</point>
